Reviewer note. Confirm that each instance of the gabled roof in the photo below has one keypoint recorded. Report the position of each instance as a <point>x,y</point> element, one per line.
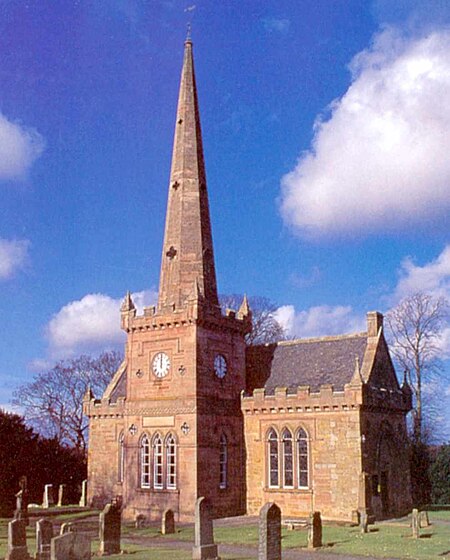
<point>313,362</point>
<point>117,387</point>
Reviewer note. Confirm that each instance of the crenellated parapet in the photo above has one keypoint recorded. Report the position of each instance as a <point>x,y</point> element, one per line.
<point>193,313</point>
<point>104,408</point>
<point>302,399</point>
<point>380,398</point>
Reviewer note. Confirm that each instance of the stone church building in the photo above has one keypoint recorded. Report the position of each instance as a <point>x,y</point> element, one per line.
<point>311,424</point>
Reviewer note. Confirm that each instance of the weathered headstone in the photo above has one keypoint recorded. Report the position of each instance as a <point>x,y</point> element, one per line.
<point>363,522</point>
<point>110,519</point>
<point>168,522</point>
<point>83,499</point>
<point>71,546</point>
<point>17,540</point>
<point>62,499</point>
<point>424,520</point>
<point>67,528</point>
<point>315,530</point>
<point>204,547</point>
<point>415,523</point>
<point>44,535</point>
<point>21,511</point>
<point>269,547</point>
<point>139,521</point>
<point>48,500</point>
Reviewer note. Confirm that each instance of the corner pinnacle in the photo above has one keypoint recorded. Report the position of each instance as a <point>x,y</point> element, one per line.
<point>127,304</point>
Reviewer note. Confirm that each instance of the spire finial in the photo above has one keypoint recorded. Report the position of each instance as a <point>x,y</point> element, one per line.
<point>188,33</point>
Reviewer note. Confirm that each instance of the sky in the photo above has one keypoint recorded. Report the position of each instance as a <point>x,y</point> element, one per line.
<point>326,137</point>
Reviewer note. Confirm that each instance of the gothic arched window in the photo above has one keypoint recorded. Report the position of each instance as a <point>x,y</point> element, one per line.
<point>121,458</point>
<point>288,459</point>
<point>302,458</point>
<point>157,461</point>
<point>272,456</point>
<point>223,461</point>
<point>145,461</point>
<point>171,462</point>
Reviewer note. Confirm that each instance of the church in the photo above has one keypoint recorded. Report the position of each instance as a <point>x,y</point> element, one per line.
<point>311,424</point>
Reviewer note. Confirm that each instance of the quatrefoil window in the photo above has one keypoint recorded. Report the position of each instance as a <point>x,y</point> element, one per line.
<point>175,185</point>
<point>171,252</point>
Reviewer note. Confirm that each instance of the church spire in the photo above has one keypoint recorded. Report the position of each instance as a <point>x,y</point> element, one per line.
<point>187,256</point>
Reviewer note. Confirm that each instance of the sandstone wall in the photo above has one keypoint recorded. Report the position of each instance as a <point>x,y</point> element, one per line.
<point>332,423</point>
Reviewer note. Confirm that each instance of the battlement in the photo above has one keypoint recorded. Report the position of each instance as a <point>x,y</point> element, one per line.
<point>153,320</point>
<point>388,399</point>
<point>302,399</point>
<point>104,408</point>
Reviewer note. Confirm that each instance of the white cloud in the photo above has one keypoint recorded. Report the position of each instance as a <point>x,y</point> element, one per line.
<point>321,320</point>
<point>19,148</point>
<point>13,256</point>
<point>381,159</point>
<point>433,277</point>
<point>90,324</point>
<point>279,25</point>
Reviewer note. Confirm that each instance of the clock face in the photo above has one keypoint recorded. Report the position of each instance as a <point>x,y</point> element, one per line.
<point>161,364</point>
<point>220,366</point>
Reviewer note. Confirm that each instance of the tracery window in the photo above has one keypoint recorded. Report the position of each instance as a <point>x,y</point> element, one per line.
<point>302,458</point>
<point>121,458</point>
<point>171,462</point>
<point>273,462</point>
<point>145,462</point>
<point>288,459</point>
<point>223,461</point>
<point>157,461</point>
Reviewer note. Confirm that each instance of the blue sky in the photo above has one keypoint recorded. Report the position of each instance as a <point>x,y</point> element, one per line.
<point>326,137</point>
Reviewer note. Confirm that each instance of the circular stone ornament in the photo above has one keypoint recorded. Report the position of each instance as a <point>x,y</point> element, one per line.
<point>161,364</point>
<point>220,366</point>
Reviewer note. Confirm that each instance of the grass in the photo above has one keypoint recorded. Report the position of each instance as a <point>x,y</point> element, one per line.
<point>384,540</point>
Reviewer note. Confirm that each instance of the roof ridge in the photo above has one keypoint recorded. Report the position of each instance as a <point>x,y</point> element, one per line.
<point>321,339</point>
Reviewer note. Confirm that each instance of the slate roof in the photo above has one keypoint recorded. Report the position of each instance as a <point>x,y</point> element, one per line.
<point>312,362</point>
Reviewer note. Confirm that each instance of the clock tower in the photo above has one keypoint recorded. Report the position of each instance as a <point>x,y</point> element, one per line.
<point>175,402</point>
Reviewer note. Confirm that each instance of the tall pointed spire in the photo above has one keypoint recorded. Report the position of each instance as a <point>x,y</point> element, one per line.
<point>187,255</point>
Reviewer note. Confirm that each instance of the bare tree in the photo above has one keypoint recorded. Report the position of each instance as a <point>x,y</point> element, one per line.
<point>53,402</point>
<point>414,328</point>
<point>265,328</point>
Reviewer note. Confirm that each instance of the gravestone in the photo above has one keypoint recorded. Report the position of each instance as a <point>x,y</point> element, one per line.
<point>168,522</point>
<point>44,535</point>
<point>62,500</point>
<point>363,522</point>
<point>204,547</point>
<point>70,546</point>
<point>139,521</point>
<point>83,499</point>
<point>67,528</point>
<point>109,521</point>
<point>424,520</point>
<point>17,541</point>
<point>269,547</point>
<point>415,524</point>
<point>21,511</point>
<point>315,530</point>
<point>48,500</point>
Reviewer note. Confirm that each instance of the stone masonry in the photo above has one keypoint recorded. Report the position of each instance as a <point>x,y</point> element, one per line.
<point>204,547</point>
<point>269,547</point>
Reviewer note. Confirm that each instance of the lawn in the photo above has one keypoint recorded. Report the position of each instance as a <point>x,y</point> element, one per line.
<point>388,539</point>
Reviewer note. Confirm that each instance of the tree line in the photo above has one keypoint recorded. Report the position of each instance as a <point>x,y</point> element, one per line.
<point>42,460</point>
